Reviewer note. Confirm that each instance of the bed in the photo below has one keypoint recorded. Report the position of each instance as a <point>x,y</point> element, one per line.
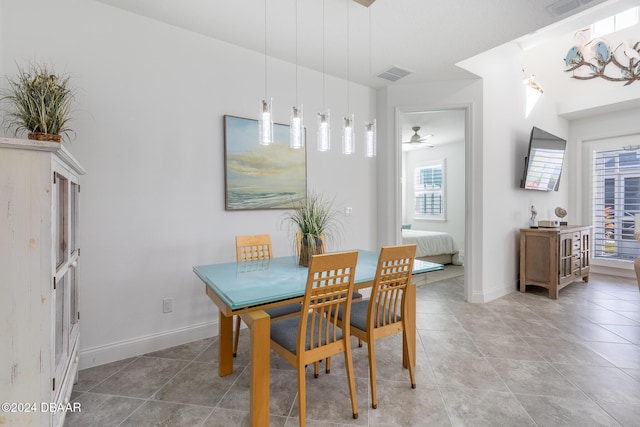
<point>434,246</point>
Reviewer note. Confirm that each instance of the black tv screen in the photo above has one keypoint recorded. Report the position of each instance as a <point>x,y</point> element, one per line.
<point>543,164</point>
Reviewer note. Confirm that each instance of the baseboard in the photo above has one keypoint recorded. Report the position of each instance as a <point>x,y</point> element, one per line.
<point>133,347</point>
<point>491,294</point>
<point>619,271</point>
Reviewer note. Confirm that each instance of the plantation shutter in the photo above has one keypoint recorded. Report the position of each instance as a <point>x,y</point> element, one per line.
<point>616,203</point>
<point>429,190</point>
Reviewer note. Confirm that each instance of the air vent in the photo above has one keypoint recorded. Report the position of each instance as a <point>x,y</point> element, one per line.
<point>561,7</point>
<point>394,73</point>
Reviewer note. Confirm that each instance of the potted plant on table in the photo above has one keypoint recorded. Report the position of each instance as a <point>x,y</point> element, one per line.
<point>314,220</point>
<point>39,101</point>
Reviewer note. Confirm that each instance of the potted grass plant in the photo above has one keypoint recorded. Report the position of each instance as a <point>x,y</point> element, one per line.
<point>314,220</point>
<point>38,101</point>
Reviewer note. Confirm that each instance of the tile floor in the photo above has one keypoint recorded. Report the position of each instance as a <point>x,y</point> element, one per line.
<point>522,360</point>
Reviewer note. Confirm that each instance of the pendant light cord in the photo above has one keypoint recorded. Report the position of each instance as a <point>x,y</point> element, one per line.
<point>323,73</point>
<point>348,69</point>
<point>265,50</point>
<point>296,10</point>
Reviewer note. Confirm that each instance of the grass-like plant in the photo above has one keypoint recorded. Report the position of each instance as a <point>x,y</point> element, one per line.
<point>314,220</point>
<point>39,100</point>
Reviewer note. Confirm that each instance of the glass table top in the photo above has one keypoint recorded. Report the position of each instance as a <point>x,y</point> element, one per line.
<point>248,283</point>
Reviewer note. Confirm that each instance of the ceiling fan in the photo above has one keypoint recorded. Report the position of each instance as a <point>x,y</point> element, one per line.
<point>416,139</point>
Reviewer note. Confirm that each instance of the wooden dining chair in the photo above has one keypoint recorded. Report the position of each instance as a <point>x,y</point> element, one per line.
<point>357,296</point>
<point>251,248</point>
<point>383,313</point>
<point>313,336</point>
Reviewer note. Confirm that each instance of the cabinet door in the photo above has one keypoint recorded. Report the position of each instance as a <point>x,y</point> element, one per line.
<point>566,257</point>
<point>584,250</point>
<point>65,292</point>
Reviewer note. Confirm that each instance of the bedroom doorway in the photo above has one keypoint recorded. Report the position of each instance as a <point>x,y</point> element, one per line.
<point>432,184</point>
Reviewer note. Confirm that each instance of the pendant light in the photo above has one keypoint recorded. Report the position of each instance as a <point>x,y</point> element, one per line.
<point>265,119</point>
<point>370,138</point>
<point>296,126</point>
<point>324,128</point>
<point>348,135</point>
<point>370,128</point>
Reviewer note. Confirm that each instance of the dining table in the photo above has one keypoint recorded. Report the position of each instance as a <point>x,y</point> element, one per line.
<point>247,288</point>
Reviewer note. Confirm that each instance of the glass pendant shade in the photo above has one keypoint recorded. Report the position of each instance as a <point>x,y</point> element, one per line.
<point>296,128</point>
<point>265,123</point>
<point>324,132</point>
<point>370,138</point>
<point>348,136</point>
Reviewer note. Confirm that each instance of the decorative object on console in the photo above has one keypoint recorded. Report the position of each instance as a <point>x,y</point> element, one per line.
<point>314,220</point>
<point>532,220</point>
<point>40,102</point>
<point>259,177</point>
<point>561,213</point>
<point>548,223</point>
<point>588,60</point>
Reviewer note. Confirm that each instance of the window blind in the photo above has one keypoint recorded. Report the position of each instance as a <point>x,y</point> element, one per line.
<point>616,202</point>
<point>429,194</point>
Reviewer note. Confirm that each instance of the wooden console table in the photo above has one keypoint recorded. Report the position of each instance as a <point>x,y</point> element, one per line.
<point>554,257</point>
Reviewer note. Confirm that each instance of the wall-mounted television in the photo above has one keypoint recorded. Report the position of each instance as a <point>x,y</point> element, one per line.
<point>543,164</point>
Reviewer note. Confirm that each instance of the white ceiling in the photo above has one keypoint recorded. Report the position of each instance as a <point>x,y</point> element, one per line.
<point>446,126</point>
<point>426,36</point>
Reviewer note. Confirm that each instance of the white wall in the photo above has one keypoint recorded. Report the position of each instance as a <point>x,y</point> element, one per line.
<point>594,129</point>
<point>596,109</point>
<point>149,132</point>
<point>454,156</point>
<point>506,207</point>
<point>433,96</point>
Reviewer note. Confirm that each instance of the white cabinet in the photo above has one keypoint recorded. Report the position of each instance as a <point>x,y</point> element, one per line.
<point>39,280</point>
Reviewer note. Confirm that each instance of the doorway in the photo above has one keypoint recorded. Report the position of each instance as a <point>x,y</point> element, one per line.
<point>432,146</point>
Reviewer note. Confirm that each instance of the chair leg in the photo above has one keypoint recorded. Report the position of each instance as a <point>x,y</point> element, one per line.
<point>327,368</point>
<point>302,397</point>
<point>351,378</point>
<point>412,362</point>
<point>372,373</point>
<point>236,336</point>
<point>316,369</point>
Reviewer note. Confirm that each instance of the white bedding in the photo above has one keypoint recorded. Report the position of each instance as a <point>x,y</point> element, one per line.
<point>430,243</point>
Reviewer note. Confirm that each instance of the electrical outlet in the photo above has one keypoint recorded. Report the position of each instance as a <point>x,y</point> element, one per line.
<point>167,305</point>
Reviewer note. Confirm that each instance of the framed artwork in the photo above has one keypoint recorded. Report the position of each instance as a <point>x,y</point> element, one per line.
<point>258,176</point>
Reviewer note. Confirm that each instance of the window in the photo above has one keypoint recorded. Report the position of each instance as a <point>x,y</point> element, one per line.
<point>616,202</point>
<point>429,191</point>
<point>615,23</point>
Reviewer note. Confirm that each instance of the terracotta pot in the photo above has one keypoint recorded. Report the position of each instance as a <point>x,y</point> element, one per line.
<point>308,250</point>
<point>41,136</point>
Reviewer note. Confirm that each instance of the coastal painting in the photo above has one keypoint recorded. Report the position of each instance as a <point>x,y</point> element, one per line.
<point>258,176</point>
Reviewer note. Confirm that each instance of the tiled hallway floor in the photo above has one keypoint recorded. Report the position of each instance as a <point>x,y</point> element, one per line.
<point>522,360</point>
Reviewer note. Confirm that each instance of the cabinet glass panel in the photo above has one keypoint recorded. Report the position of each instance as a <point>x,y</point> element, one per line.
<point>73,238</point>
<point>73,293</point>
<point>60,336</point>
<point>61,218</point>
